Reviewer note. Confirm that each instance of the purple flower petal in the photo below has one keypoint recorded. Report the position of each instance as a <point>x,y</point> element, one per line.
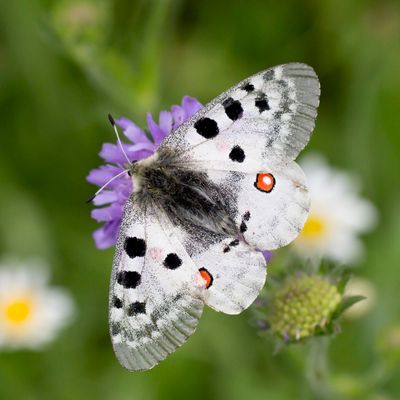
<point>132,131</point>
<point>141,146</point>
<point>106,196</point>
<point>165,122</point>
<point>157,133</point>
<point>112,153</point>
<point>141,151</point>
<point>191,106</point>
<point>178,114</point>
<point>119,189</point>
<point>106,236</point>
<point>105,214</point>
<point>101,175</point>
<point>267,255</point>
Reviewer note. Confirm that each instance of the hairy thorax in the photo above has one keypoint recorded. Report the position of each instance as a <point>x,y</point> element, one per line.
<point>187,196</point>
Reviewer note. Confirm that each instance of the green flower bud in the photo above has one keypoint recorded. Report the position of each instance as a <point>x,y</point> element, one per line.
<point>302,306</point>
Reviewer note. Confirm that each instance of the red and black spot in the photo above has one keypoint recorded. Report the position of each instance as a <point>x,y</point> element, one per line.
<point>135,247</point>
<point>265,182</point>
<point>207,127</point>
<point>172,261</point>
<point>208,278</point>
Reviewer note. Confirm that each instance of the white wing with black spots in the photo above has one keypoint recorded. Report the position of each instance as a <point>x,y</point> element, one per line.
<point>271,205</point>
<point>274,110</point>
<point>235,274</point>
<point>156,295</point>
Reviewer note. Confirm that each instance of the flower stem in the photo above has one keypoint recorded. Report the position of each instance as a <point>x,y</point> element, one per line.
<point>316,369</point>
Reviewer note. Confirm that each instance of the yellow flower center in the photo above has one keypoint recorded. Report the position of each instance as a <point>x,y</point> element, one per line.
<point>18,311</point>
<point>315,226</point>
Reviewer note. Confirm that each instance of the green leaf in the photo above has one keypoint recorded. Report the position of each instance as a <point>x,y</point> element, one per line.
<point>346,303</point>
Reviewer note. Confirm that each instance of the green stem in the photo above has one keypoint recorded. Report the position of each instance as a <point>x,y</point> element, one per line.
<point>316,369</point>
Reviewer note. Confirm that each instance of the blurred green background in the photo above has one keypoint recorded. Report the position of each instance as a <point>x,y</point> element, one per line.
<point>65,65</point>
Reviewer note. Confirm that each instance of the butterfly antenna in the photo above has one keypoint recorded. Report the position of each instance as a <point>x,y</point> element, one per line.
<point>113,124</point>
<point>90,199</point>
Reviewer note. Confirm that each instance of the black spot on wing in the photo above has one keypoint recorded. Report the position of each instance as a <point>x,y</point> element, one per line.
<point>226,249</point>
<point>172,261</point>
<point>135,247</point>
<point>136,308</point>
<point>117,303</point>
<point>237,154</point>
<point>233,108</point>
<point>248,87</point>
<point>234,242</point>
<point>243,227</point>
<point>246,216</point>
<point>262,103</point>
<point>207,127</point>
<point>128,279</point>
<point>115,329</point>
<point>269,75</point>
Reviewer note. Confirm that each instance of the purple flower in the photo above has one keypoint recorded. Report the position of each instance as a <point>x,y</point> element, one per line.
<point>140,146</point>
<point>267,255</point>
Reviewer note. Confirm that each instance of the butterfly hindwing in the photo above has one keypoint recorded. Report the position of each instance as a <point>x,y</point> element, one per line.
<point>155,296</point>
<point>234,275</point>
<point>271,204</point>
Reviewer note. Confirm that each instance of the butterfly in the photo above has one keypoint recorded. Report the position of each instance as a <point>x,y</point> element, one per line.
<point>220,187</point>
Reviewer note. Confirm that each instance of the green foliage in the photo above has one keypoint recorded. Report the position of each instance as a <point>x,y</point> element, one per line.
<point>65,64</point>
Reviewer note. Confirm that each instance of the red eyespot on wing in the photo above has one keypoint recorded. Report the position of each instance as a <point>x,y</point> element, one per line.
<point>207,277</point>
<point>265,182</point>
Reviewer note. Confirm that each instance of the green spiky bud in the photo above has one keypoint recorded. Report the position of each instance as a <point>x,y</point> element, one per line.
<point>302,306</point>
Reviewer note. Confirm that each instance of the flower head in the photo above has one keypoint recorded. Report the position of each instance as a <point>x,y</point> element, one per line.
<point>302,306</point>
<point>338,215</point>
<point>141,145</point>
<point>31,312</point>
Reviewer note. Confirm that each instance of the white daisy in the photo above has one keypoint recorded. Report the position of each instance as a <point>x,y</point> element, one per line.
<point>31,312</point>
<point>338,215</point>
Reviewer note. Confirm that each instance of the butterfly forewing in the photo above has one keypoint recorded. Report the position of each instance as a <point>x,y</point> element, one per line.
<point>275,109</point>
